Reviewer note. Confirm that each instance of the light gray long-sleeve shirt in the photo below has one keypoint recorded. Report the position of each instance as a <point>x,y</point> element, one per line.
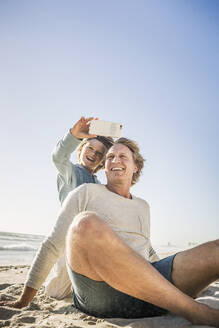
<point>129,218</point>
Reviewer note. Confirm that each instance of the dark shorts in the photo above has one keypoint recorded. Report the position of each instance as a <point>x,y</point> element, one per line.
<point>99,299</point>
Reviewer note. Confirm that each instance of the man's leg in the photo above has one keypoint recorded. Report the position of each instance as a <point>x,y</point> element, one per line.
<point>194,269</point>
<point>95,251</point>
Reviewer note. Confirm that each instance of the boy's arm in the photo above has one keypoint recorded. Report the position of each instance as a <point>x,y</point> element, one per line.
<point>65,147</point>
<point>62,153</point>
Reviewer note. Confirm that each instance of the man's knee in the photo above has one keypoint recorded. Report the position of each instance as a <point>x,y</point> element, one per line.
<point>216,242</point>
<point>213,245</point>
<point>86,225</point>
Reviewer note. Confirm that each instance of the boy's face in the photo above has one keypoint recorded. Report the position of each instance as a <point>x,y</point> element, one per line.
<point>92,154</point>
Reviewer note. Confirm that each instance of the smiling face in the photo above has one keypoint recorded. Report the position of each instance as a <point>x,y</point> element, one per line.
<point>120,165</point>
<point>92,154</point>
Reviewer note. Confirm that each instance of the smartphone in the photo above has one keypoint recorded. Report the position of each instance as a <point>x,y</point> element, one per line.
<point>104,128</point>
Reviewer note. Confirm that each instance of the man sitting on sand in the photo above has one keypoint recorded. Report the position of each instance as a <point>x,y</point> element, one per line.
<point>108,246</point>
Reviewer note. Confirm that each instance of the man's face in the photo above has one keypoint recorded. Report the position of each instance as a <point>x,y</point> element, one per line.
<point>92,154</point>
<point>120,165</point>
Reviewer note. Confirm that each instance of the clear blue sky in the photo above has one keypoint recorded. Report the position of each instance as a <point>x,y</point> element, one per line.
<point>151,65</point>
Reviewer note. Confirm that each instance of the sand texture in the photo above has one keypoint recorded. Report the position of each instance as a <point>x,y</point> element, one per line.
<point>47,312</point>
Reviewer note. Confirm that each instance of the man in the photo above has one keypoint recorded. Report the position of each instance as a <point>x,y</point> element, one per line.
<point>108,248</point>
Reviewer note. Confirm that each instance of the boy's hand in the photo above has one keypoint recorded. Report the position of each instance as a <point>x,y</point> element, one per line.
<point>81,128</point>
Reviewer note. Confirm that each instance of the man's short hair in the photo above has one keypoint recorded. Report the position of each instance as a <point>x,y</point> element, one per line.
<point>138,159</point>
<point>106,141</point>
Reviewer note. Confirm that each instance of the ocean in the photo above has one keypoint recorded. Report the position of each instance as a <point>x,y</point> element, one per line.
<point>20,249</point>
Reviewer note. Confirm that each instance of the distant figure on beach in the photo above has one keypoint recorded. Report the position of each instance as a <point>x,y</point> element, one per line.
<point>91,155</point>
<point>109,252</point>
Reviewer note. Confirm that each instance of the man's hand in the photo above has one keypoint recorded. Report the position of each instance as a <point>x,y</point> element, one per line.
<point>14,304</point>
<point>81,128</point>
<point>24,300</point>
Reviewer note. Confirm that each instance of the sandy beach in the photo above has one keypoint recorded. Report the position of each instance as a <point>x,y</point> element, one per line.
<point>47,312</point>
